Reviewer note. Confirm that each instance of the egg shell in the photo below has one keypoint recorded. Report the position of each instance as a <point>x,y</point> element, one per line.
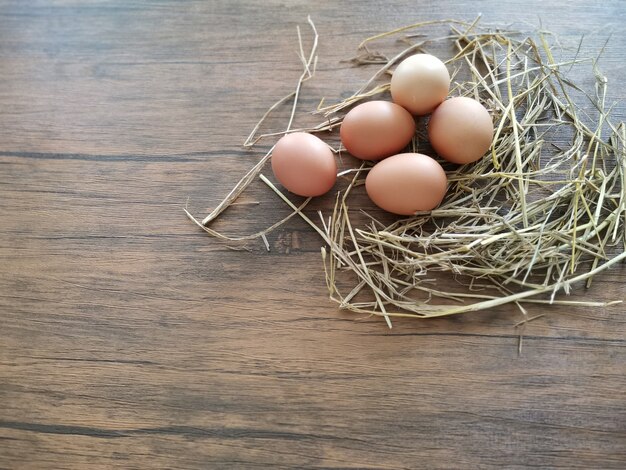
<point>460,130</point>
<point>304,164</point>
<point>420,83</point>
<point>376,129</point>
<point>406,183</point>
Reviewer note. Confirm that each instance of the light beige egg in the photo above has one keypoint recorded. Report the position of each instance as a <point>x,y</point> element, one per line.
<point>460,130</point>
<point>304,164</point>
<point>406,183</point>
<point>376,129</point>
<point>420,83</point>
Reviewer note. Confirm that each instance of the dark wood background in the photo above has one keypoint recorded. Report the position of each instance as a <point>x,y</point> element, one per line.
<point>129,339</point>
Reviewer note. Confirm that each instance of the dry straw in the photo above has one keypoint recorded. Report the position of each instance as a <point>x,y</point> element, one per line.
<point>544,210</point>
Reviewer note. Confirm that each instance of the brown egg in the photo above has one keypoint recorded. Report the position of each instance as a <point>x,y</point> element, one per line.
<point>377,129</point>
<point>304,164</point>
<point>406,183</point>
<point>460,130</point>
<point>420,83</point>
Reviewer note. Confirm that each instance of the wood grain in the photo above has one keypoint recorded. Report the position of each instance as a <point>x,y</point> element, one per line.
<point>130,340</point>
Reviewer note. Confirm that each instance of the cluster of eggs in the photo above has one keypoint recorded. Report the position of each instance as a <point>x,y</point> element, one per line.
<point>460,130</point>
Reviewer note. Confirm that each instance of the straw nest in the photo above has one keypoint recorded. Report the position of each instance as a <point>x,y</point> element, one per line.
<point>543,210</point>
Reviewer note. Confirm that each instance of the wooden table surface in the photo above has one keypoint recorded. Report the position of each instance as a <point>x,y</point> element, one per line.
<point>129,339</point>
